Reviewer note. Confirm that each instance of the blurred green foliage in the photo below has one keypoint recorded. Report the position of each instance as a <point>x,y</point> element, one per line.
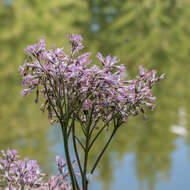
<point>153,33</point>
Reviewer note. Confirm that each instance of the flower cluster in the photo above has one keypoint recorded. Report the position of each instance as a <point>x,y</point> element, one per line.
<point>75,90</point>
<point>69,84</point>
<point>17,174</point>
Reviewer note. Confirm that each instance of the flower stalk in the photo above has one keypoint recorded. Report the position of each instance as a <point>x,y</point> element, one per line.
<point>80,95</point>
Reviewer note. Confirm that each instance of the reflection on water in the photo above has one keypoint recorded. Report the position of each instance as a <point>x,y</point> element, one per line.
<point>148,32</point>
<point>178,177</point>
<point>122,173</point>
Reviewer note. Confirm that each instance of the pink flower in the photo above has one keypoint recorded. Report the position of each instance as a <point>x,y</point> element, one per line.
<point>71,79</point>
<point>17,174</point>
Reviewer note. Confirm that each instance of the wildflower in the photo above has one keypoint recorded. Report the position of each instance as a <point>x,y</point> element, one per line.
<point>75,89</point>
<point>26,174</point>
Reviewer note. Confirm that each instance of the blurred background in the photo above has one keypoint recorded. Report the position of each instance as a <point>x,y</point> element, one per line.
<point>147,155</point>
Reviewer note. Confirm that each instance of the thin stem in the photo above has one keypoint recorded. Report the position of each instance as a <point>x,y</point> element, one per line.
<point>104,149</point>
<point>70,168</point>
<point>99,132</point>
<point>51,103</point>
<point>85,182</point>
<point>80,143</point>
<point>75,149</point>
<point>93,127</point>
<point>97,135</point>
<point>69,130</point>
<point>85,165</point>
<point>78,188</point>
<point>82,126</point>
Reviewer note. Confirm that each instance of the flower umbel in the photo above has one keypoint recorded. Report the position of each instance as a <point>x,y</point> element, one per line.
<point>76,90</point>
<point>67,80</point>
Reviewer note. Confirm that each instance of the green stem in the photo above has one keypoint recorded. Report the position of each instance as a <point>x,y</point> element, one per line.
<point>99,132</point>
<point>104,149</point>
<point>88,136</point>
<point>76,151</point>
<point>85,184</point>
<point>70,168</point>
<point>80,143</point>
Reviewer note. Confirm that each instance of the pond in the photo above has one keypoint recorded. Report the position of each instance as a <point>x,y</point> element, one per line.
<point>149,155</point>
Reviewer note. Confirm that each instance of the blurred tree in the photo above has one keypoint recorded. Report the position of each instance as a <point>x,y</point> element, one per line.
<point>148,32</point>
<point>24,22</point>
<point>155,34</point>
